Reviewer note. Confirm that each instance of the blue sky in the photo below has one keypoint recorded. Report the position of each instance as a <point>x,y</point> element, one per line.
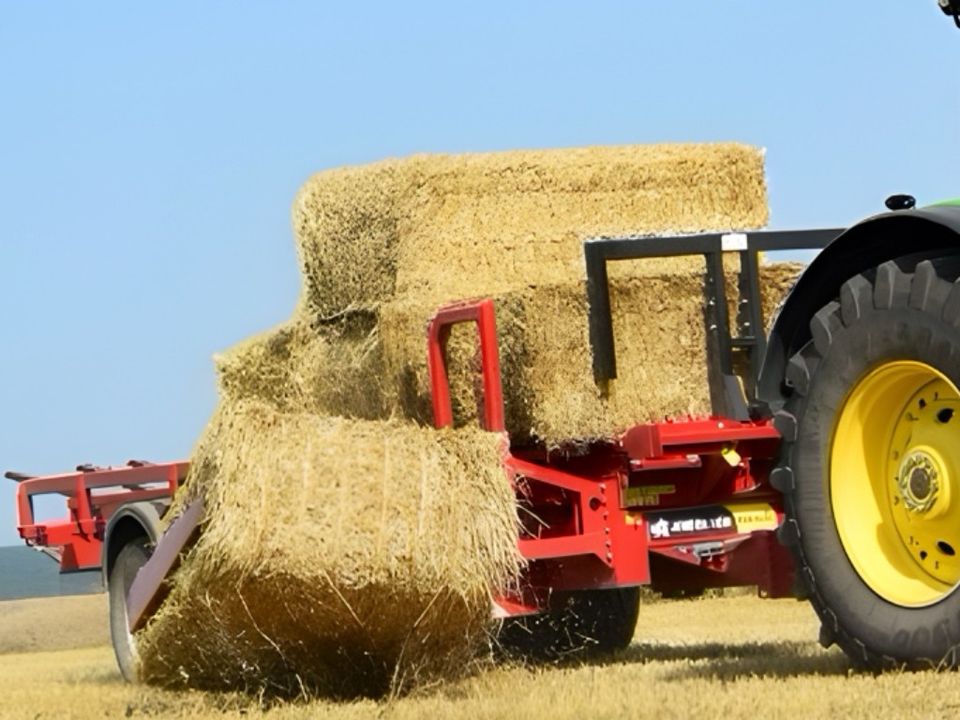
<point>149,156</point>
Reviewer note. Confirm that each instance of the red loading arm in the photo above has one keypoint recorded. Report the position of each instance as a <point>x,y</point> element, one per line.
<point>438,332</point>
<point>77,485</point>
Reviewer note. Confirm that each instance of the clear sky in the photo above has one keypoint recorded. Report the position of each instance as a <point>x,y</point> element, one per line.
<point>149,156</point>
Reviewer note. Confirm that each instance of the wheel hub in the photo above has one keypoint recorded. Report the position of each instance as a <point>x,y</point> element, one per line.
<point>919,481</point>
<point>895,460</point>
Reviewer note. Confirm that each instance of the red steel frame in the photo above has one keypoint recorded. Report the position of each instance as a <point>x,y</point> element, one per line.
<point>580,532</point>
<point>438,332</point>
<point>587,518</point>
<point>93,495</point>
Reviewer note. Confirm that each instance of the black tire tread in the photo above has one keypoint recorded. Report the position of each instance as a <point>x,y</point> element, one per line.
<point>584,624</point>
<point>824,324</point>
<point>131,557</point>
<point>892,288</point>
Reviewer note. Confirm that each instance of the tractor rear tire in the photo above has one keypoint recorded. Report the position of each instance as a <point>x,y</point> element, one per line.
<point>130,559</point>
<point>583,624</point>
<point>870,468</point>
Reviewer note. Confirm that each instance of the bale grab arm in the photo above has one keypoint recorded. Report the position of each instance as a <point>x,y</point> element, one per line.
<point>725,388</point>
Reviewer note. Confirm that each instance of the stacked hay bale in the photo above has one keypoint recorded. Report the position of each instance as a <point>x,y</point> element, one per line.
<point>382,246</point>
<point>339,556</point>
<point>347,547</point>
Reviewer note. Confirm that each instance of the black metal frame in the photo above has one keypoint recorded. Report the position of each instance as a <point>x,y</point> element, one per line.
<point>725,388</point>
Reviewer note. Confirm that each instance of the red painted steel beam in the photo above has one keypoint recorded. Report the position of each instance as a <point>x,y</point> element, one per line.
<point>601,533</point>
<point>591,543</point>
<point>78,486</point>
<point>480,312</point>
<point>552,476</point>
<point>92,496</point>
<point>660,439</point>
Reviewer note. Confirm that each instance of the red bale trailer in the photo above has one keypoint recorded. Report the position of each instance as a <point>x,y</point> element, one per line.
<point>829,468</point>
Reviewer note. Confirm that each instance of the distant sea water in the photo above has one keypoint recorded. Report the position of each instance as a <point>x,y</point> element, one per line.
<point>27,573</point>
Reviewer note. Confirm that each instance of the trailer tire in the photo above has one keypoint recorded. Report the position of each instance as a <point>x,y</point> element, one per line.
<point>870,468</point>
<point>132,556</point>
<point>582,624</point>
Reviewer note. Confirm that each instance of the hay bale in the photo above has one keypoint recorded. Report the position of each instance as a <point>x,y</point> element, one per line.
<point>341,556</point>
<point>546,363</point>
<point>300,366</point>
<point>376,368</point>
<point>442,227</point>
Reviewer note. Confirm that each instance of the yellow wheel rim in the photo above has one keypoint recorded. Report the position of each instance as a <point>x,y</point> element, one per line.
<point>894,474</point>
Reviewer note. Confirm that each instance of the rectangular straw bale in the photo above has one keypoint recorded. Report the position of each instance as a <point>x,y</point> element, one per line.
<point>347,556</point>
<point>300,366</point>
<point>546,362</point>
<point>346,227</point>
<point>442,227</point>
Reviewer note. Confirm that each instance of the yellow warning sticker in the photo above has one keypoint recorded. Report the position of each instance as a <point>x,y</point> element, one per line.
<point>731,456</point>
<point>750,517</point>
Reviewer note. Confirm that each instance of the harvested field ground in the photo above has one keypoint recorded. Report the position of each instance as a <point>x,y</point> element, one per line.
<point>53,623</point>
<point>731,657</point>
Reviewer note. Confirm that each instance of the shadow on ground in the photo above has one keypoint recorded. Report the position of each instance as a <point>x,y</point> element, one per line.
<point>729,661</point>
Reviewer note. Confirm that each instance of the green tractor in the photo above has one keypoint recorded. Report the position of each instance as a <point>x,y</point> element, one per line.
<point>861,377</point>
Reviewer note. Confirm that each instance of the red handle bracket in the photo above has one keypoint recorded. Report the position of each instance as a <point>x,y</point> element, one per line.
<point>438,332</point>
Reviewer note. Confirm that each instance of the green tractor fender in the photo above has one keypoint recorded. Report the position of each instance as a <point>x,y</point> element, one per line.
<point>907,236</point>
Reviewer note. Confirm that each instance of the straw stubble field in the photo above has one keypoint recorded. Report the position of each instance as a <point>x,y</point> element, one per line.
<point>730,657</point>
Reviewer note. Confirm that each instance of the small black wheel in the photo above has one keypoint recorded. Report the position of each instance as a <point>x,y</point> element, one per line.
<point>583,624</point>
<point>131,558</point>
<point>870,468</point>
